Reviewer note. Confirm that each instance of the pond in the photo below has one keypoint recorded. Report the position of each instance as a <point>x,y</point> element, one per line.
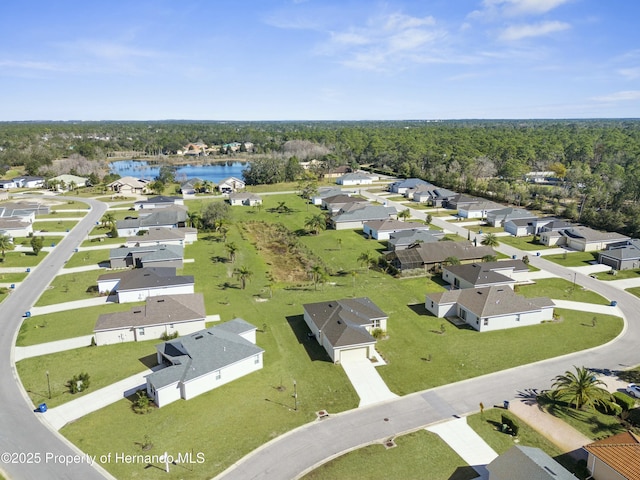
<point>213,172</point>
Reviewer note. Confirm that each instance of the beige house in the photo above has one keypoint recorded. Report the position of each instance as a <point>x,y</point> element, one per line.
<point>129,185</point>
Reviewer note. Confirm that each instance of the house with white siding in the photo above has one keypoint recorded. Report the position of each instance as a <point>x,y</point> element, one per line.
<point>355,178</point>
<point>162,236</point>
<point>485,274</point>
<point>159,201</point>
<point>138,284</point>
<point>203,361</point>
<point>383,229</point>
<point>244,199</point>
<point>147,256</point>
<point>356,216</point>
<point>498,218</point>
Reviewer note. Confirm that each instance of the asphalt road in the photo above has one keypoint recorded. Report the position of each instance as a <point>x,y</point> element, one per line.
<point>35,451</point>
<point>296,453</point>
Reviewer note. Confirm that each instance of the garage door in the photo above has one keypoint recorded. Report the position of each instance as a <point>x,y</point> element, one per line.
<point>353,354</point>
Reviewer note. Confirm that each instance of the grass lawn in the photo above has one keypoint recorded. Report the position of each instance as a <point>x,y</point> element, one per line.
<point>573,259</point>
<point>61,213</point>
<point>47,240</point>
<point>105,240</point>
<point>634,291</point>
<point>67,324</point>
<point>59,226</point>
<point>70,205</point>
<point>418,455</point>
<point>70,287</point>
<point>89,257</point>
<point>443,212</point>
<point>12,277</point>
<point>397,198</point>
<point>485,229</point>
<point>562,290</point>
<point>22,259</point>
<point>619,275</point>
<point>523,243</point>
<point>99,364</point>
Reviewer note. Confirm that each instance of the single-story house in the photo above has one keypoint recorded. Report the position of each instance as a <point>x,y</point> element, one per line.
<point>129,185</point>
<point>355,178</point>
<point>161,315</point>
<point>614,458</point>
<point>337,171</point>
<point>204,360</point>
<point>24,209</point>
<point>344,327</point>
<point>336,203</point>
<point>190,186</point>
<point>551,224</point>
<point>583,239</point>
<point>401,186</point>
<point>462,201</point>
<point>356,217</point>
<point>28,181</point>
<point>383,229</point>
<point>486,274</point>
<point>167,217</point>
<point>163,236</point>
<point>526,463</point>
<point>432,195</point>
<point>66,182</point>
<point>431,255</point>
<point>244,199</point>
<point>325,193</point>
<point>230,184</point>
<point>138,284</point>
<point>520,227</point>
<point>147,256</point>
<point>624,256</point>
<point>498,218</point>
<point>407,238</point>
<point>478,210</point>
<point>8,184</point>
<point>547,177</point>
<point>159,201</point>
<point>490,308</point>
<point>15,227</point>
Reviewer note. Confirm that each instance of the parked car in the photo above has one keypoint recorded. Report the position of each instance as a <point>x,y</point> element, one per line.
<point>633,390</point>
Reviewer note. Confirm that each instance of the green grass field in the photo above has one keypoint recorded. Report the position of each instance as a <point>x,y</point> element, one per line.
<point>22,259</point>
<point>12,277</point>
<point>59,226</point>
<point>70,287</point>
<point>105,240</point>
<point>573,259</point>
<point>89,257</point>
<point>562,290</point>
<point>523,243</point>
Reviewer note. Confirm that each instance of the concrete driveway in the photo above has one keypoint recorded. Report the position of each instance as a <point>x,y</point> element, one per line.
<point>368,384</point>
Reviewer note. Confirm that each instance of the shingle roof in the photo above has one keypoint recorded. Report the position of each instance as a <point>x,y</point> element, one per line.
<point>408,237</point>
<point>437,252</point>
<point>152,252</point>
<point>591,235</point>
<point>157,217</point>
<point>621,452</point>
<point>158,199</point>
<point>158,234</point>
<point>364,213</point>
<point>149,277</point>
<point>630,251</point>
<point>527,463</point>
<point>486,273</point>
<point>389,224</point>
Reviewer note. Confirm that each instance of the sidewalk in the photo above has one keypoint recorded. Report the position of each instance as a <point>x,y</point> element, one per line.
<point>60,307</point>
<point>588,307</point>
<point>51,347</point>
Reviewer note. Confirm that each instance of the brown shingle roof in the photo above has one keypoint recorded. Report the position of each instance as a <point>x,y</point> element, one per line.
<point>620,452</point>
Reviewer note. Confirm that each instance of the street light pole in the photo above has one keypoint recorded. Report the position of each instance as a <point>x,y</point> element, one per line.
<point>295,396</point>
<point>48,384</point>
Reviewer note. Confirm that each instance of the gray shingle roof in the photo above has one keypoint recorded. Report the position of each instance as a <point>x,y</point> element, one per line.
<point>149,253</point>
<point>365,213</point>
<point>409,237</point>
<point>437,252</point>
<point>527,463</point>
<point>149,277</point>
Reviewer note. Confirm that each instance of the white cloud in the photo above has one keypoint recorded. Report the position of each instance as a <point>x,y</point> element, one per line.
<point>623,96</point>
<point>518,32</point>
<point>29,65</point>
<point>630,73</point>
<point>513,8</point>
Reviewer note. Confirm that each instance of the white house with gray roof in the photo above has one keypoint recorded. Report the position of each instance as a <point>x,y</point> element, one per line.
<point>355,178</point>
<point>383,229</point>
<point>159,201</point>
<point>486,274</point>
<point>498,218</point>
<point>406,238</point>
<point>138,284</point>
<point>490,308</point>
<point>161,315</point>
<point>344,327</point>
<point>625,256</point>
<point>174,216</point>
<point>162,236</point>
<point>244,199</point>
<point>204,360</point>
<point>147,256</point>
<point>358,215</point>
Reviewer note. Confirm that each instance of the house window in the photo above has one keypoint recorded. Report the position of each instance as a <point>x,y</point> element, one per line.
<point>256,359</point>
<point>141,331</point>
<point>171,325</point>
<point>218,375</point>
<point>486,322</point>
<point>376,323</point>
<point>518,317</point>
<point>463,314</point>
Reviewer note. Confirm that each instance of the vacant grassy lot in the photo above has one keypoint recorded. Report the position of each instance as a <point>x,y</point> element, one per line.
<point>105,240</point>
<point>573,259</point>
<point>59,226</point>
<point>12,277</point>
<point>105,365</point>
<point>562,290</point>
<point>70,287</point>
<point>89,257</point>
<point>619,275</point>
<point>67,324</point>
<point>418,455</point>
<point>485,229</point>
<point>70,205</point>
<point>22,259</point>
<point>523,243</point>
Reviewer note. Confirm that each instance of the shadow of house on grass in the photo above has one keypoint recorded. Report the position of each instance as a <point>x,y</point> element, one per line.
<point>464,473</point>
<point>301,331</point>
<point>150,360</point>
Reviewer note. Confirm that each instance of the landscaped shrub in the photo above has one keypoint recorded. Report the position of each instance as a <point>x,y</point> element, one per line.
<point>79,383</point>
<point>510,424</point>
<point>142,403</point>
<point>168,336</point>
<point>624,400</point>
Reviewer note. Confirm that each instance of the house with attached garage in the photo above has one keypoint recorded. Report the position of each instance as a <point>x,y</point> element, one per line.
<point>580,238</point>
<point>147,256</point>
<point>344,327</point>
<point>174,216</point>
<point>401,186</point>
<point>28,181</point>
<point>357,215</point>
<point>489,308</point>
<point>204,360</point>
<point>138,284</point>
<point>244,199</point>
<point>624,256</point>
<point>485,274</point>
<point>430,256</point>
<point>409,238</point>
<point>159,201</point>
<point>230,184</point>
<point>163,236</point>
<point>433,195</point>
<point>614,458</point>
<point>336,203</point>
<point>326,193</point>
<point>15,227</point>
<point>161,315</point>
<point>383,229</point>
<point>498,218</point>
<point>356,178</point>
<point>526,463</point>
<point>478,210</point>
<point>28,210</point>
<point>129,185</point>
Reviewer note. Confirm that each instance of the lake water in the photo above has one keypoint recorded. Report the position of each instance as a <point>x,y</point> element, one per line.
<point>214,173</point>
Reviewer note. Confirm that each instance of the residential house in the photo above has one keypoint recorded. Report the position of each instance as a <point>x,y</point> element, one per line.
<point>526,463</point>
<point>478,210</point>
<point>161,315</point>
<point>614,458</point>
<point>486,274</point>
<point>583,239</point>
<point>29,181</point>
<point>245,199</point>
<point>138,284</point>
<point>432,195</point>
<point>408,238</point>
<point>355,178</point>
<point>191,186</point>
<point>547,177</point>
<point>26,210</point>
<point>7,184</point>
<point>129,186</point>
<point>430,256</point>
<point>326,193</point>
<point>168,217</point>
<point>490,308</point>
<point>344,327</point>
<point>231,184</point>
<point>383,229</point>
<point>625,256</point>
<point>147,256</point>
<point>498,218</point>
<point>337,202</point>
<point>337,171</point>
<point>462,201</point>
<point>15,227</point>
<point>65,183</point>
<point>162,236</point>
<point>204,360</point>
<point>401,186</point>
<point>358,215</point>
<point>520,227</point>
<point>195,149</point>
<point>159,201</point>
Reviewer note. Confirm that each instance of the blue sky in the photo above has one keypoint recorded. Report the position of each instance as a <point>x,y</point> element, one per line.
<point>318,59</point>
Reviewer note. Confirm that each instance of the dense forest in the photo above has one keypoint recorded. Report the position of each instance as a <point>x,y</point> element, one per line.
<point>596,162</point>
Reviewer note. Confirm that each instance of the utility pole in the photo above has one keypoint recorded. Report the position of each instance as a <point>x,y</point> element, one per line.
<point>295,396</point>
<point>48,384</point>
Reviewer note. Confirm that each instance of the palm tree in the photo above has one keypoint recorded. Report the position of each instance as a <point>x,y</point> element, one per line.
<point>108,219</point>
<point>367,259</point>
<point>451,261</point>
<point>317,273</point>
<point>231,249</point>
<point>582,388</point>
<point>244,274</point>
<point>404,214</point>
<point>5,244</point>
<point>194,219</point>
<point>490,240</point>
<point>316,223</point>
<point>489,258</point>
